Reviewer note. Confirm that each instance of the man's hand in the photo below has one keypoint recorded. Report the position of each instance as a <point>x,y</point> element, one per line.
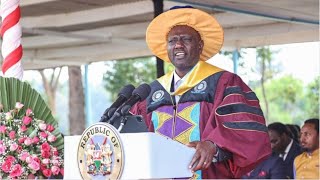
<point>205,150</point>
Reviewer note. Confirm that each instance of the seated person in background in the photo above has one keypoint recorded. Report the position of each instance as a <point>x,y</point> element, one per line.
<point>271,168</point>
<point>274,166</point>
<point>295,131</point>
<point>284,145</point>
<point>306,165</point>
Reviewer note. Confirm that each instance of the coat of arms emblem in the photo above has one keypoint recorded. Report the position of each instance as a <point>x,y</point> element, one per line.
<point>98,158</point>
<point>100,153</point>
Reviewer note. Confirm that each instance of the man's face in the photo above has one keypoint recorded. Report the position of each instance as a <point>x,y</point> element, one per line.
<point>184,47</point>
<point>277,141</point>
<point>309,139</point>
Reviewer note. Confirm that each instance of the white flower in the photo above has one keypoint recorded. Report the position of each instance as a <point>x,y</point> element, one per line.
<point>13,146</point>
<point>8,116</point>
<point>28,141</point>
<point>52,138</point>
<point>55,162</point>
<point>18,105</point>
<point>29,159</point>
<point>42,126</point>
<point>46,161</point>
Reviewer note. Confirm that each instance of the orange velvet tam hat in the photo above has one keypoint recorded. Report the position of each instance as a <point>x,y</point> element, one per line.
<point>208,27</point>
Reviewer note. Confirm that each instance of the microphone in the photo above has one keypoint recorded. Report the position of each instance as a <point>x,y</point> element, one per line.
<point>139,94</point>
<point>123,95</point>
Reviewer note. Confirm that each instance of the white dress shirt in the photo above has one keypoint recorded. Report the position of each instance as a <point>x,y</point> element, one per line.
<point>177,82</point>
<point>284,155</point>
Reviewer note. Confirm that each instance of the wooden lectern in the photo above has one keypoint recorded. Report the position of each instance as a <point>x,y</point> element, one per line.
<point>146,156</point>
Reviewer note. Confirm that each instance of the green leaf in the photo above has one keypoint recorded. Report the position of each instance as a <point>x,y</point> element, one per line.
<point>33,133</point>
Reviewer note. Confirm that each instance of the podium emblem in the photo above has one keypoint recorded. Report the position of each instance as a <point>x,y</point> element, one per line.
<point>100,153</point>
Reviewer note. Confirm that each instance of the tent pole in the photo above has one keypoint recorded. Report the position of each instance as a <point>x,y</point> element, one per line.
<point>235,59</point>
<point>87,97</point>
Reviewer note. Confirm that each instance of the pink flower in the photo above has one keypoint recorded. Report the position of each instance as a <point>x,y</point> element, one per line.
<point>2,149</point>
<point>31,176</point>
<point>24,155</point>
<point>26,120</point>
<point>1,141</point>
<point>43,134</point>
<point>29,112</point>
<point>35,158</point>
<point>45,154</point>
<point>21,140</point>
<point>29,159</point>
<point>10,158</point>
<point>52,138</point>
<point>23,128</point>
<point>18,105</point>
<point>12,134</point>
<point>45,147</point>
<point>46,161</point>
<point>46,172</point>
<point>13,146</point>
<point>50,128</point>
<point>34,165</point>
<point>55,162</point>
<point>9,116</point>
<point>55,170</point>
<point>19,149</point>
<point>6,166</point>
<point>62,171</point>
<point>43,166</point>
<point>3,129</point>
<point>42,126</point>
<point>16,171</point>
<point>28,141</point>
<point>55,153</point>
<point>35,140</point>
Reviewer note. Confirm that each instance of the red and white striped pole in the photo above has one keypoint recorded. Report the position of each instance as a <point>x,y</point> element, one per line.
<point>11,39</point>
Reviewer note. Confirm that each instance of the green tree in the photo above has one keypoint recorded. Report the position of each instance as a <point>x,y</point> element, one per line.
<point>50,85</point>
<point>283,96</point>
<point>130,71</point>
<point>310,104</point>
<point>267,71</point>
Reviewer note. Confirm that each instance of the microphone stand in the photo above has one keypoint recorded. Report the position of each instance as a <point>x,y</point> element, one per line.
<point>123,121</point>
<point>124,118</point>
<point>120,118</point>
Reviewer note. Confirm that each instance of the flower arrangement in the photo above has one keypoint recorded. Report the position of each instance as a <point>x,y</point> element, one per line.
<point>27,146</point>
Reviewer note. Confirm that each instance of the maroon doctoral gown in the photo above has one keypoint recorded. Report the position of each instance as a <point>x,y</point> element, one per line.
<point>214,105</point>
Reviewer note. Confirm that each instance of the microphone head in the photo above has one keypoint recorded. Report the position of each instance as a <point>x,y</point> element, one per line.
<point>142,91</point>
<point>126,91</point>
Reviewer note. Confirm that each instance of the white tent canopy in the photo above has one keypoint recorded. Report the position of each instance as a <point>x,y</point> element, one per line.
<point>75,32</point>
